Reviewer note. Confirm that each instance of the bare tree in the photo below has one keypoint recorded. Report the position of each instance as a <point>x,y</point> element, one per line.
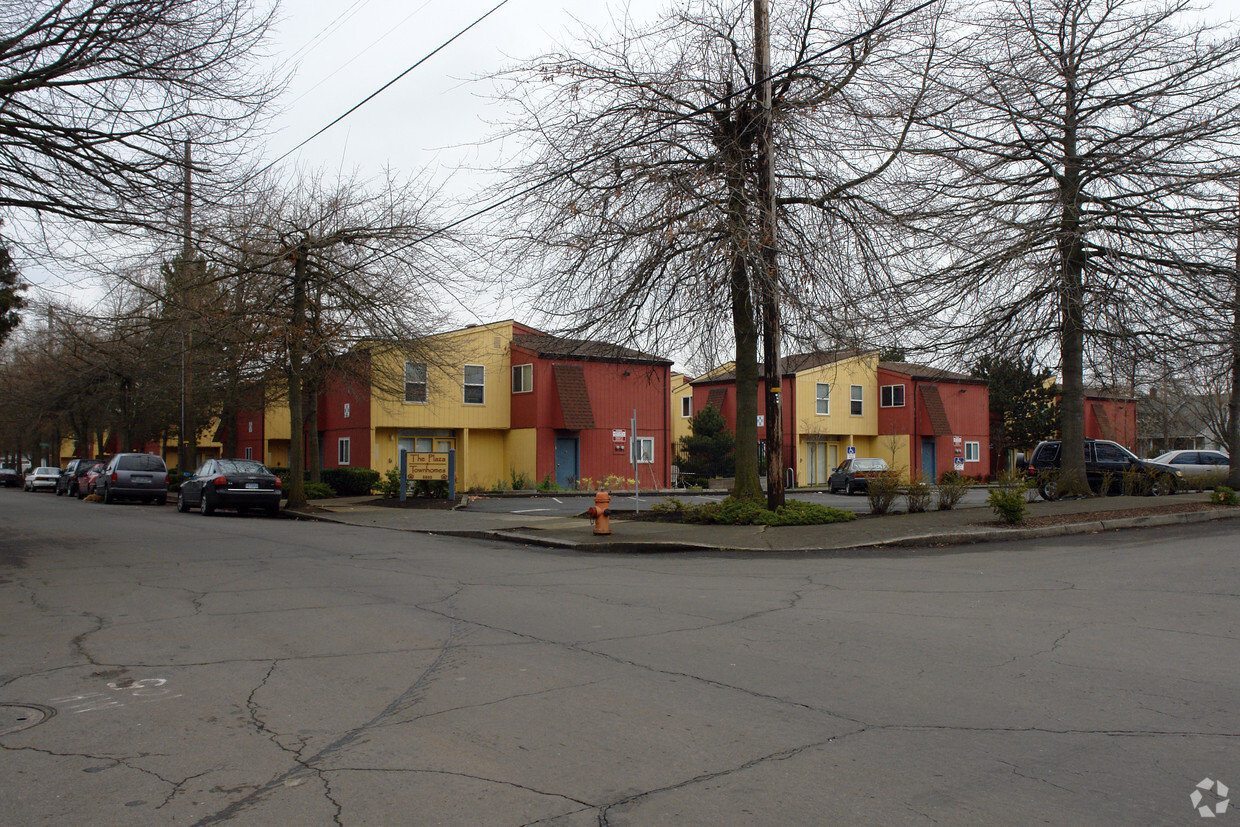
<point>635,187</point>
<point>333,266</point>
<point>1062,182</point>
<point>96,97</point>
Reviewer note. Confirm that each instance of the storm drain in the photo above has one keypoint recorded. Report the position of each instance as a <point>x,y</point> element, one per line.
<point>16,717</point>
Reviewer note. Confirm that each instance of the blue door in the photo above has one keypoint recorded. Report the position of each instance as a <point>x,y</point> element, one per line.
<point>567,470</point>
<point>928,459</point>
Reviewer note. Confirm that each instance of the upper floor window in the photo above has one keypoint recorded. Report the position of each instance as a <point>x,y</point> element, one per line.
<point>686,406</point>
<point>892,396</point>
<point>475,384</point>
<point>415,381</point>
<point>857,406</point>
<point>822,398</point>
<point>522,378</point>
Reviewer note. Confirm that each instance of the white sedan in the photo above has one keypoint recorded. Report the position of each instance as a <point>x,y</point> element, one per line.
<point>1197,465</point>
<point>44,478</point>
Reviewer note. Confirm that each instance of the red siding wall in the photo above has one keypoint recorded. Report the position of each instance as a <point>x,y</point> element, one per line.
<point>1122,414</point>
<point>334,425</point>
<point>968,411</point>
<point>613,398</point>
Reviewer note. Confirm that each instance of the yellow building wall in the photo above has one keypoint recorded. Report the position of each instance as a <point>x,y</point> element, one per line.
<point>483,460</point>
<point>680,424</point>
<point>523,451</point>
<point>861,370</point>
<point>446,357</point>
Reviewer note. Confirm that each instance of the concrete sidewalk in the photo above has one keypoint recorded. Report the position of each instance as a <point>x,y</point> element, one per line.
<point>933,528</point>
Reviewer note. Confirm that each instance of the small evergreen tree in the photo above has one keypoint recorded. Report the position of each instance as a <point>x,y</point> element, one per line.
<point>1023,410</point>
<point>711,450</point>
<point>10,292</point>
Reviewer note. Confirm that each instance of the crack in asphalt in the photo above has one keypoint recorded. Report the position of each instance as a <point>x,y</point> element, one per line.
<point>472,777</point>
<point>398,704</point>
<point>78,643</point>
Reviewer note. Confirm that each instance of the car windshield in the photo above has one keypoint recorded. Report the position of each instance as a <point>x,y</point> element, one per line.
<point>241,466</point>
<point>140,462</point>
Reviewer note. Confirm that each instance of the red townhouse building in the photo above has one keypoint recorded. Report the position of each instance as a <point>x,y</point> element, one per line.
<point>941,418</point>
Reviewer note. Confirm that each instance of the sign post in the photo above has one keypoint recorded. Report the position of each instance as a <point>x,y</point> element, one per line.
<point>404,480</point>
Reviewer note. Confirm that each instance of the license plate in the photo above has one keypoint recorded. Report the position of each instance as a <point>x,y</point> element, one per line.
<point>251,485</point>
<point>141,478</point>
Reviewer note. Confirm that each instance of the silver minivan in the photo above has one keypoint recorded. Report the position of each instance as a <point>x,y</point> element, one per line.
<point>134,476</point>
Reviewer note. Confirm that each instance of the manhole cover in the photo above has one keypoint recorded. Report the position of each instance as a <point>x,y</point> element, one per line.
<point>15,717</point>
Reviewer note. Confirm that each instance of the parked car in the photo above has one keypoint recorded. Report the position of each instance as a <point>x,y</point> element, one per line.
<point>1102,458</point>
<point>67,484</point>
<point>853,474</point>
<point>134,476</point>
<point>9,478</point>
<point>85,482</point>
<point>43,478</point>
<point>230,483</point>
<point>1197,465</point>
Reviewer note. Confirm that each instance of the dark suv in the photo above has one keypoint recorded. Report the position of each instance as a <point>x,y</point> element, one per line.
<point>134,476</point>
<point>1104,461</point>
<point>67,484</point>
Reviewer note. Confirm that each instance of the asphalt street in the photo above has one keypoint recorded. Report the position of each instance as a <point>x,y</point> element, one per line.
<point>158,668</point>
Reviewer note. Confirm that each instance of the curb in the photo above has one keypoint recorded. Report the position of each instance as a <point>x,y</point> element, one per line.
<point>932,542</point>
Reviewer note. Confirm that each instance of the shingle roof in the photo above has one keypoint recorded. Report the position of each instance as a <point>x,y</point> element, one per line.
<point>939,422</point>
<point>570,383</point>
<point>928,373</point>
<point>555,347</point>
<point>790,365</point>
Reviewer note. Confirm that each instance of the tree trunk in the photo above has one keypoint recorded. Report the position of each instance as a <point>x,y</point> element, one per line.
<point>296,464</point>
<point>1072,479</point>
<point>767,277</point>
<point>314,461</point>
<point>745,331</point>
<point>1233,401</point>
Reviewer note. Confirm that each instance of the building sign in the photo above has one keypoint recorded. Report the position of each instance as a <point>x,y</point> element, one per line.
<point>619,438</point>
<point>852,451</point>
<point>958,463</point>
<point>426,466</point>
<point>761,420</point>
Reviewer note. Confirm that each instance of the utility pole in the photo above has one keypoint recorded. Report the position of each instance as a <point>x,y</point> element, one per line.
<point>186,460</point>
<point>768,278</point>
<point>297,330</point>
<point>1233,402</point>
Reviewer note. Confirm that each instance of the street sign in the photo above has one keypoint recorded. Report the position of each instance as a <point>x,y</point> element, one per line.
<point>852,451</point>
<point>958,463</point>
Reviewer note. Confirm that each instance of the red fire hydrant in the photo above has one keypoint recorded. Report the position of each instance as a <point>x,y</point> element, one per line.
<point>601,513</point>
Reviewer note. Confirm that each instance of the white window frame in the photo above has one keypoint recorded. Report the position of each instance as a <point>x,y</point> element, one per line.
<point>249,452</point>
<point>424,384</point>
<point>887,396</point>
<point>344,450</point>
<point>643,449</point>
<point>466,385</point>
<point>822,401</point>
<point>973,452</point>
<point>523,378</point>
<point>251,426</point>
<point>856,400</point>
<point>346,410</point>
<point>686,407</point>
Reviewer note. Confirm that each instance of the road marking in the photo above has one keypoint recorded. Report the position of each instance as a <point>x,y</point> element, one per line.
<point>146,690</point>
<point>557,499</point>
<point>530,510</point>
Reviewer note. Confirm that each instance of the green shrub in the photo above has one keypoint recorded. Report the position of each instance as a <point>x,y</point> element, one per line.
<point>427,488</point>
<point>751,512</point>
<point>672,505</point>
<point>318,491</point>
<point>951,489</point>
<point>917,494</point>
<point>548,484</point>
<point>1136,483</point>
<point>882,489</point>
<point>1224,496</point>
<point>520,480</point>
<point>389,485</point>
<point>1105,483</point>
<point>350,482</point>
<point>1009,504</point>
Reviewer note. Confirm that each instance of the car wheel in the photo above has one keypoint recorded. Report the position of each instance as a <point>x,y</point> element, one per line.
<point>1161,486</point>
<point>1048,490</point>
<point>58,491</point>
<point>205,508</point>
<point>79,494</point>
<point>849,489</point>
<point>108,499</point>
<point>182,505</point>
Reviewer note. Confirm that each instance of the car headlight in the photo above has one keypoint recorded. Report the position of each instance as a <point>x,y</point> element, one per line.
<point>1179,473</point>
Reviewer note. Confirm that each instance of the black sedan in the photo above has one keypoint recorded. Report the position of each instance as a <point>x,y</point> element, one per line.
<point>231,483</point>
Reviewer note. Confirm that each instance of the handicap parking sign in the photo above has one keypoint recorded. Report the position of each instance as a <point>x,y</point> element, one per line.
<point>852,451</point>
<point>959,463</point>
